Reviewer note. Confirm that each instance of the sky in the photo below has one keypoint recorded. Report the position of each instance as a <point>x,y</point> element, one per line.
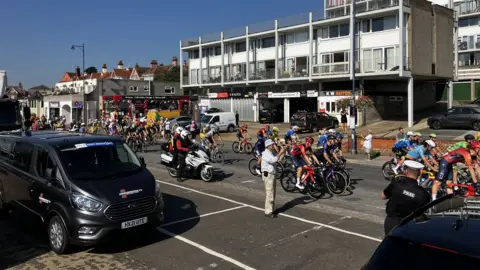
<point>36,36</point>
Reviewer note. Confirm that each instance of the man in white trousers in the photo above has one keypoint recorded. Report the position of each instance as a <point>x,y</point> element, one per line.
<point>269,159</point>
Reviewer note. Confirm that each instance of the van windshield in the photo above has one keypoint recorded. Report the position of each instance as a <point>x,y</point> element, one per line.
<point>206,119</point>
<point>299,116</point>
<point>98,160</point>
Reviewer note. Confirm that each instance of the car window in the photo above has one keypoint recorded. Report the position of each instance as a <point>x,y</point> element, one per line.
<point>310,116</point>
<point>466,111</point>
<point>298,116</point>
<point>46,165</point>
<point>453,111</point>
<point>397,253</point>
<point>216,119</point>
<point>22,155</point>
<point>6,146</point>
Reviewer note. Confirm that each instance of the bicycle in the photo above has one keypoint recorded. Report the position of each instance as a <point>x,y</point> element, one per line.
<point>218,140</point>
<point>313,186</point>
<point>252,165</point>
<point>216,155</point>
<point>247,146</point>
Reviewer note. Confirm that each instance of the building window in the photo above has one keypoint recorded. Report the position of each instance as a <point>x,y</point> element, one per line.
<point>333,33</point>
<point>268,42</point>
<point>291,38</point>
<point>324,33</point>
<point>133,89</point>
<point>169,90</point>
<point>384,23</point>
<point>240,47</point>
<point>218,50</point>
<point>301,36</point>
<point>344,30</point>
<point>366,26</point>
<point>146,88</point>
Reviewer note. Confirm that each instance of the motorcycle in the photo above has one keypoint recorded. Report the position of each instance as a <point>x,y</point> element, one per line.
<point>197,163</point>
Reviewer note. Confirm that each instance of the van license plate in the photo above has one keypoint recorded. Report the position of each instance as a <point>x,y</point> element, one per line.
<point>134,223</point>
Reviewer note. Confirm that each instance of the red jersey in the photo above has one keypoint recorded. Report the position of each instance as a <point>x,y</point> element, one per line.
<point>459,155</point>
<point>299,150</point>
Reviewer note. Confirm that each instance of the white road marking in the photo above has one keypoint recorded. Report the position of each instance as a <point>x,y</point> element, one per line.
<point>338,221</point>
<point>204,215</point>
<point>282,214</point>
<point>291,237</point>
<point>205,249</point>
<point>373,206</point>
<point>248,181</point>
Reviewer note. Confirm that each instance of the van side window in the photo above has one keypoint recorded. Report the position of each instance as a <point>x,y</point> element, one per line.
<point>46,165</point>
<point>22,154</point>
<point>6,146</point>
<point>215,119</point>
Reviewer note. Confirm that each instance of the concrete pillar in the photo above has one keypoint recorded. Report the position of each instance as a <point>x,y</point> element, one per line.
<point>472,89</point>
<point>222,54</point>
<point>256,107</point>
<point>450,95</point>
<point>410,102</point>
<point>286,110</point>
<point>310,46</point>
<point>276,51</point>
<point>247,60</point>
<point>181,65</point>
<point>231,104</point>
<point>401,30</point>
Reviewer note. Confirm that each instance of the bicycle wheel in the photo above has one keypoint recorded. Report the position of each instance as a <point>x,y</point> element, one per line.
<point>252,164</point>
<point>288,181</point>
<point>236,147</point>
<point>248,148</point>
<point>336,183</point>
<point>316,189</point>
<point>345,174</point>
<point>219,157</point>
<point>278,170</point>
<point>387,170</point>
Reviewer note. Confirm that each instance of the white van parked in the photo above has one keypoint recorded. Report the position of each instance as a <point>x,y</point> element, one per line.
<point>224,121</point>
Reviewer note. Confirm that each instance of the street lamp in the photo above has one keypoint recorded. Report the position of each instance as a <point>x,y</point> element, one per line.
<point>82,48</point>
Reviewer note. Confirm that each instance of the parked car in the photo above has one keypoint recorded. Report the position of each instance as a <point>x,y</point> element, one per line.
<point>313,121</point>
<point>466,116</point>
<point>181,121</point>
<point>437,236</point>
<point>83,188</point>
<point>271,115</point>
<point>224,121</point>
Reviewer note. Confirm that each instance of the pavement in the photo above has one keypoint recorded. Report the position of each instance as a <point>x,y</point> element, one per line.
<point>220,225</point>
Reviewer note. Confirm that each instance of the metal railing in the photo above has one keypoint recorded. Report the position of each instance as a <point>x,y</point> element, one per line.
<point>298,73</point>
<point>236,77</point>
<point>331,69</point>
<point>381,64</point>
<point>262,74</point>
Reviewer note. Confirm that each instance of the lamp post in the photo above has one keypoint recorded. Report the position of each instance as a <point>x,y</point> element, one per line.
<point>82,48</point>
<point>353,111</point>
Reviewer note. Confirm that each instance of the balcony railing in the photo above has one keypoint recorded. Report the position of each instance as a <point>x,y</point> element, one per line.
<point>236,77</point>
<point>384,64</point>
<point>331,69</point>
<point>464,45</point>
<point>467,7</point>
<point>268,74</point>
<point>298,73</point>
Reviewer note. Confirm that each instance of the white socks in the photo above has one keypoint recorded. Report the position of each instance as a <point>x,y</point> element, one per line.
<point>434,197</point>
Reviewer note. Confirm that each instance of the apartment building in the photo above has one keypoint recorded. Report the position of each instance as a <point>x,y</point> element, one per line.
<point>302,62</point>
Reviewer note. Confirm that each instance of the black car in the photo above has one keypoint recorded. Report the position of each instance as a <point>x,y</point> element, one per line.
<point>313,121</point>
<point>440,235</point>
<point>83,187</point>
<point>467,116</point>
<point>271,115</point>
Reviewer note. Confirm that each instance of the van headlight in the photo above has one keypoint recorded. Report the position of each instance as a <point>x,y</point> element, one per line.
<point>87,204</point>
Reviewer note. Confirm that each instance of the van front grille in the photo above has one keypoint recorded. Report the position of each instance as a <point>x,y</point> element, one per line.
<point>131,209</point>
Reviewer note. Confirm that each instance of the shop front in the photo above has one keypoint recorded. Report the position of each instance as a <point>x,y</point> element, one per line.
<point>139,106</point>
<point>236,99</point>
<point>328,102</point>
<point>52,110</point>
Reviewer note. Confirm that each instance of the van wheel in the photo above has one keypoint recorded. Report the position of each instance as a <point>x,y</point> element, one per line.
<point>231,128</point>
<point>315,129</point>
<point>57,235</point>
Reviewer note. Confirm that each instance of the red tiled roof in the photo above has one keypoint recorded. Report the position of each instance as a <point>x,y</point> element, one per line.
<point>122,73</point>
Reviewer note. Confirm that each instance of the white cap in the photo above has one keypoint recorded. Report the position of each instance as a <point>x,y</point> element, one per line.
<point>268,142</point>
<point>430,143</point>
<point>410,133</point>
<point>414,165</point>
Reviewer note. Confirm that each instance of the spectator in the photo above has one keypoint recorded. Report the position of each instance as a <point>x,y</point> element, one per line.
<point>367,144</point>
<point>401,134</point>
<point>237,118</point>
<point>268,166</point>
<point>193,129</point>
<point>36,126</point>
<point>343,119</point>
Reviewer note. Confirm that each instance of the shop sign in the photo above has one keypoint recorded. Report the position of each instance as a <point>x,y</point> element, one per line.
<point>284,95</point>
<point>222,95</point>
<point>303,93</point>
<point>212,95</point>
<point>54,104</point>
<point>263,95</point>
<point>312,93</point>
<point>344,93</point>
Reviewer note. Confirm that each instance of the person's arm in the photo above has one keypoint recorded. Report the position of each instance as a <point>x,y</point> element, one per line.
<point>325,155</point>
<point>269,157</point>
<point>387,192</point>
<point>305,157</point>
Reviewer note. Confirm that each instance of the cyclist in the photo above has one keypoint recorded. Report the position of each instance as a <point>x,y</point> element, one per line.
<point>435,151</point>
<point>268,131</point>
<point>463,155</point>
<point>274,135</point>
<point>415,139</point>
<point>468,139</point>
<point>337,151</point>
<point>419,153</point>
<point>289,133</point>
<point>259,148</point>
<point>209,134</point>
<point>242,134</point>
<point>325,153</point>
<point>301,157</point>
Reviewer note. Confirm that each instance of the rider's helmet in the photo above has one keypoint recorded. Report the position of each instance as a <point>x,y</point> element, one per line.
<point>433,135</point>
<point>430,143</point>
<point>184,134</point>
<point>275,129</point>
<point>331,137</point>
<point>469,137</point>
<point>339,136</point>
<point>83,124</point>
<point>410,133</point>
<point>309,140</point>
<point>245,126</point>
<point>295,128</point>
<point>331,130</point>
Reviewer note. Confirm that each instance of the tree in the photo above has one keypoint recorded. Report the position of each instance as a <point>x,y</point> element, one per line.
<point>91,70</point>
<point>173,75</point>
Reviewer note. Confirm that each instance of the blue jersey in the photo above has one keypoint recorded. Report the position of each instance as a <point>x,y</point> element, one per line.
<point>269,132</point>
<point>260,145</point>
<point>402,144</point>
<point>418,152</point>
<point>413,143</point>
<point>289,133</point>
<point>322,140</point>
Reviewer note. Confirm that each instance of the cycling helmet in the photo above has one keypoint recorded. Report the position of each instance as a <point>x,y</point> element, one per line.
<point>245,126</point>
<point>267,127</point>
<point>184,134</point>
<point>295,128</point>
<point>339,136</point>
<point>275,129</point>
<point>430,143</point>
<point>433,135</point>
<point>331,137</point>
<point>469,137</point>
<point>410,133</point>
<point>475,145</point>
<point>179,129</point>
<point>331,130</point>
<point>309,140</point>
<point>418,134</point>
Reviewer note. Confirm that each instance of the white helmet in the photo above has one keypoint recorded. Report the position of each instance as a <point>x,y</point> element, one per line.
<point>179,129</point>
<point>410,133</point>
<point>332,130</point>
<point>430,143</point>
<point>184,134</point>
<point>295,128</point>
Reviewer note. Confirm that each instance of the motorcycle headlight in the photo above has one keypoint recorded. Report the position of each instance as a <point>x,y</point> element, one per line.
<point>87,204</point>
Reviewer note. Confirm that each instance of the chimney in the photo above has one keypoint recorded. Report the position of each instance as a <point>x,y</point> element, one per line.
<point>153,64</point>
<point>20,85</point>
<point>77,71</point>
<point>120,64</point>
<point>136,65</point>
<point>174,61</point>
<point>104,68</point>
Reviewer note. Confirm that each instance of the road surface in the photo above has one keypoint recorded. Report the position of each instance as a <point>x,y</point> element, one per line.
<point>220,225</point>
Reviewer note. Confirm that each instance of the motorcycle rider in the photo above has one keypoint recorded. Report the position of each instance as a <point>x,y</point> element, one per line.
<point>182,144</point>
